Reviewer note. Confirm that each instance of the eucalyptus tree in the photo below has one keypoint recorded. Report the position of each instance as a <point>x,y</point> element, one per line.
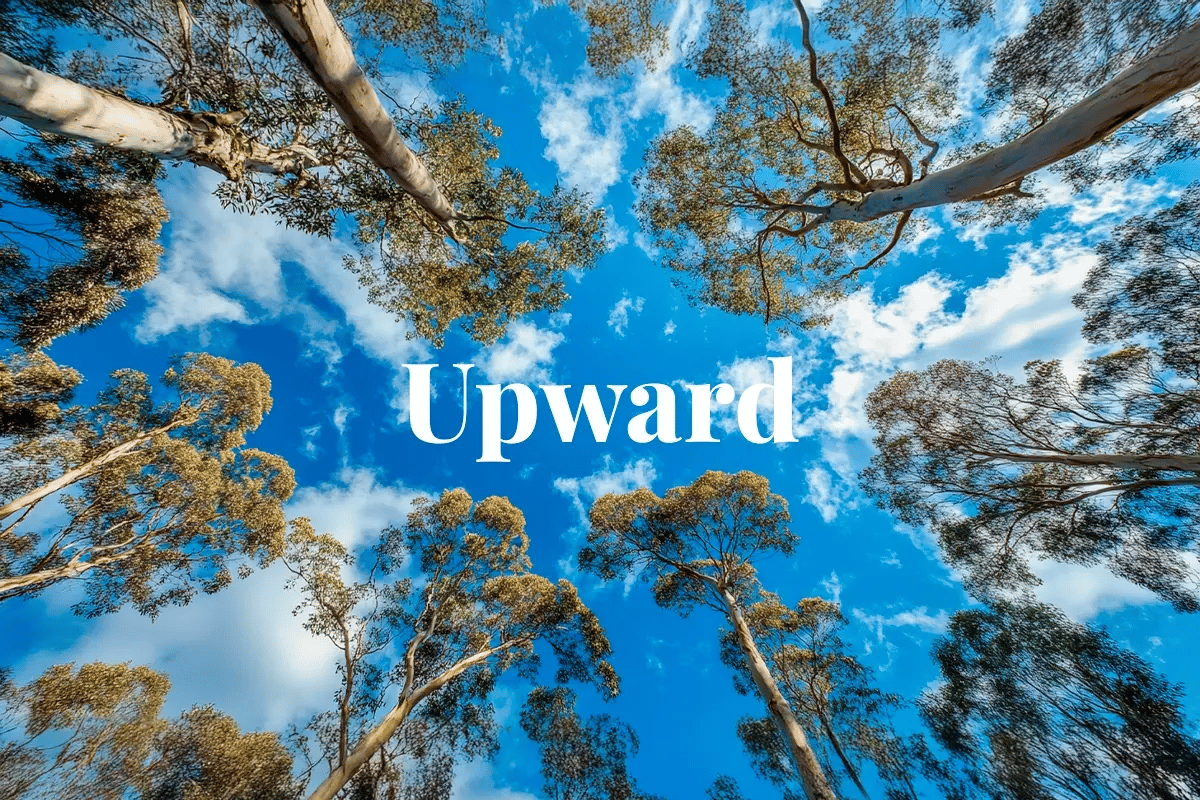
<point>464,608</point>
<point>1049,708</point>
<point>159,499</point>
<point>829,688</point>
<point>696,545</point>
<point>822,153</point>
<point>276,98</point>
<point>1095,469</point>
<point>1145,287</point>
<point>95,732</point>
<point>582,759</point>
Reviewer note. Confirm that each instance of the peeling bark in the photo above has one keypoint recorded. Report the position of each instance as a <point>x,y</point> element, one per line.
<point>816,787</point>
<point>317,40</point>
<point>1165,72</point>
<point>60,106</point>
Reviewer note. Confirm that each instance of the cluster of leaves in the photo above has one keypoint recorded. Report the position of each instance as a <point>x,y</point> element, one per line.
<point>161,498</point>
<point>96,732</point>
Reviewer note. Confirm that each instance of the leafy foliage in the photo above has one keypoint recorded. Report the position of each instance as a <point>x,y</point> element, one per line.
<point>160,498</point>
<point>464,608</point>
<point>95,732</point>
<point>1047,708</point>
<point>581,759</point>
<point>107,216</point>
<point>1146,286</point>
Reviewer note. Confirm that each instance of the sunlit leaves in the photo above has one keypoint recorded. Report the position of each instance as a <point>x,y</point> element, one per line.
<point>162,498</point>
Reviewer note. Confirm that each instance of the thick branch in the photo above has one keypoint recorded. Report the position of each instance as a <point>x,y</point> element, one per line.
<point>83,470</point>
<point>317,40</point>
<point>1168,70</point>
<point>1173,462</point>
<point>56,105</point>
<point>835,131</point>
<point>387,727</point>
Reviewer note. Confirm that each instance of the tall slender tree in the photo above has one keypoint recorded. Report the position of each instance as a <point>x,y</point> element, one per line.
<point>474,611</point>
<point>161,499</point>
<point>696,545</point>
<point>830,689</point>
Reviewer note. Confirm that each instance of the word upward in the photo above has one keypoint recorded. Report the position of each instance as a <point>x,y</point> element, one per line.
<point>655,423</point>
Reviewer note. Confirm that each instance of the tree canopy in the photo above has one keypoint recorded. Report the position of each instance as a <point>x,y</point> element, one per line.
<point>475,612</point>
<point>1048,708</point>
<point>823,152</point>
<point>160,498</point>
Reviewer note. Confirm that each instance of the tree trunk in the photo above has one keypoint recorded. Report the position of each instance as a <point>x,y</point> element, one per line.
<point>1167,462</point>
<point>816,787</point>
<point>56,105</point>
<point>82,471</point>
<point>1167,70</point>
<point>387,727</point>
<point>841,754</point>
<point>316,38</point>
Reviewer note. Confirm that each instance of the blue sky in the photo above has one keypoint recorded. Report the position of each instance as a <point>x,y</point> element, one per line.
<point>244,288</point>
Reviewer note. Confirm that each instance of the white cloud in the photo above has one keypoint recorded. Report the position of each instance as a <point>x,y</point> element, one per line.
<point>310,440</point>
<point>224,267</point>
<point>669,328</point>
<point>821,494</point>
<point>242,649</point>
<point>1084,592</point>
<point>833,586</point>
<point>618,317</point>
<point>476,780</point>
<point>657,91</point>
<point>609,479</point>
<point>524,355</point>
<point>588,156</point>
<point>916,617</point>
<point>354,508</point>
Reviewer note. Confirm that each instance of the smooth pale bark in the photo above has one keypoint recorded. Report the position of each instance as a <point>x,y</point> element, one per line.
<point>76,567</point>
<point>1165,462</point>
<point>82,471</point>
<point>56,105</point>
<point>816,787</point>
<point>387,727</point>
<point>316,38</point>
<point>1168,70</point>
